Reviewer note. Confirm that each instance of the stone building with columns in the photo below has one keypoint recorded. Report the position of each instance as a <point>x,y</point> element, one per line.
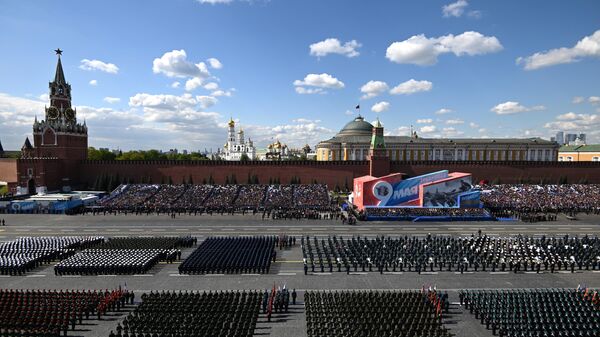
<point>354,139</point>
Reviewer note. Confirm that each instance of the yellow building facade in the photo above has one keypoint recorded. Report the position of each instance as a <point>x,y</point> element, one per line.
<point>353,141</point>
<point>579,153</point>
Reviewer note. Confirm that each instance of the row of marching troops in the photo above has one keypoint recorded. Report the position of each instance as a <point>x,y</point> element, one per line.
<point>27,253</point>
<point>375,313</point>
<point>90,255</point>
<point>536,313</point>
<point>431,253</point>
<point>187,314</point>
<point>42,313</point>
<point>231,255</point>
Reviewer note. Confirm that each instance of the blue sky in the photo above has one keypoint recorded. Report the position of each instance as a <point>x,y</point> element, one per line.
<point>293,70</point>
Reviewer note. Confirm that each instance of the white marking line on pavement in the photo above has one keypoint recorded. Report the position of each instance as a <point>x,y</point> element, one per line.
<point>185,229</point>
<point>456,228</point>
<point>158,230</point>
<point>179,275</point>
<point>71,276</point>
<point>429,272</point>
<point>223,229</point>
<point>595,271</point>
<point>321,274</point>
<point>466,272</point>
<point>393,273</point>
<point>36,275</point>
<point>250,274</point>
<point>250,229</point>
<point>143,275</point>
<point>520,228</point>
<point>286,274</point>
<point>318,229</point>
<point>498,272</point>
<point>44,230</point>
<point>585,228</point>
<point>498,228</point>
<point>107,275</point>
<point>4,276</point>
<point>295,229</point>
<point>409,228</point>
<point>430,228</point>
<point>214,275</point>
<point>67,230</point>
<point>358,273</point>
<point>89,230</point>
<point>541,228</point>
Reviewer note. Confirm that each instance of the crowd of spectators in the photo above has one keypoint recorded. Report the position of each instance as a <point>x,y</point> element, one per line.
<point>541,202</point>
<point>281,201</point>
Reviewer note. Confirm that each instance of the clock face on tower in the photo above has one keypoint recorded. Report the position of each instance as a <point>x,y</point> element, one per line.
<point>52,113</point>
<point>70,114</point>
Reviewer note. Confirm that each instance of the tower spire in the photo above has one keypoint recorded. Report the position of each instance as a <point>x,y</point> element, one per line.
<point>60,75</point>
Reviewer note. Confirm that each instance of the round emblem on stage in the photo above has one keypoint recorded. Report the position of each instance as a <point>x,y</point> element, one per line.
<point>383,191</point>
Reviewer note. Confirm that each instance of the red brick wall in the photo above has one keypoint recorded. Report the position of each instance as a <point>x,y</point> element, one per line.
<point>8,170</point>
<point>331,174</point>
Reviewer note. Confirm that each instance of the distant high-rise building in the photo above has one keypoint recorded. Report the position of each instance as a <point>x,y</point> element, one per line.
<point>560,137</point>
<point>582,138</point>
<point>570,138</point>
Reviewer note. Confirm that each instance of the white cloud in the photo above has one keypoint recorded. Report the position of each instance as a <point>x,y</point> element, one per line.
<point>319,81</point>
<point>443,111</point>
<point>215,2</point>
<point>588,123</point>
<point>410,87</point>
<point>451,132</point>
<point>193,83</point>
<point>428,129</point>
<point>511,107</point>
<point>349,113</point>
<point>421,50</point>
<point>482,130</point>
<point>380,107</point>
<point>473,125</point>
<point>373,88</point>
<point>44,97</point>
<point>215,63</point>
<point>589,46</point>
<point>301,131</point>
<point>219,93</point>
<point>594,99</point>
<point>211,86</point>
<point>112,100</point>
<point>309,91</point>
<point>475,14</point>
<point>455,121</point>
<point>455,9</point>
<point>99,65</point>
<point>206,101</point>
<point>175,64</point>
<point>175,84</point>
<point>425,121</point>
<point>93,82</point>
<point>334,46</point>
<point>578,99</point>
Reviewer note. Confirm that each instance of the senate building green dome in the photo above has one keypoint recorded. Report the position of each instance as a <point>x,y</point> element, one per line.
<point>357,127</point>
